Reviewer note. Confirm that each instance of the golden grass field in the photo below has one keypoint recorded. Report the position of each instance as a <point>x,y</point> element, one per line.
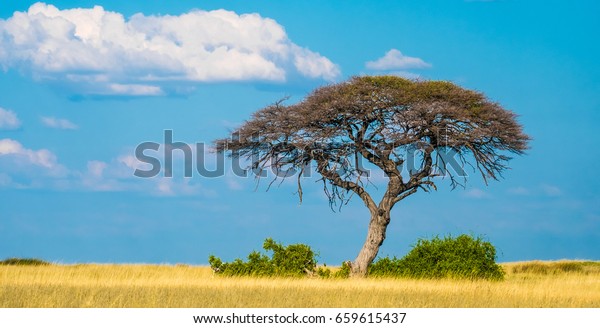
<point>527,284</point>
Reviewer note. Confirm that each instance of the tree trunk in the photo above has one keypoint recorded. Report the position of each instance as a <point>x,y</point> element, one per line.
<point>380,218</point>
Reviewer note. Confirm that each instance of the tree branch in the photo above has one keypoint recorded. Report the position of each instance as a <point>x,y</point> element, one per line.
<point>336,179</point>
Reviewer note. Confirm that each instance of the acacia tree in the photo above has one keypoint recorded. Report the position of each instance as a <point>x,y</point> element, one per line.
<point>410,129</point>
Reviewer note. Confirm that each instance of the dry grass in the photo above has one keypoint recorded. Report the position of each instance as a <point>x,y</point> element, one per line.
<point>530,284</point>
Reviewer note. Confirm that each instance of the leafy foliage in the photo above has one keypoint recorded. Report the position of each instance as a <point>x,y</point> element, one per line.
<point>324,272</point>
<point>23,261</point>
<point>343,272</point>
<point>293,260</point>
<point>463,257</point>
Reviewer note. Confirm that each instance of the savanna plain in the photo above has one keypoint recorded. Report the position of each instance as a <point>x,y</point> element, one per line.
<point>526,284</point>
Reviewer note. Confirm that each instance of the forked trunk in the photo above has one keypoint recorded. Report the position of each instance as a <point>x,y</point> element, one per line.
<point>380,219</point>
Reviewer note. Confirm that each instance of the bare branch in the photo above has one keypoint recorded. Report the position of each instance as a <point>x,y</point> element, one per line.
<point>381,119</point>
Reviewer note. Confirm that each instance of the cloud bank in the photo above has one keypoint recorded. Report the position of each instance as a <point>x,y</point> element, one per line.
<point>25,168</point>
<point>99,52</point>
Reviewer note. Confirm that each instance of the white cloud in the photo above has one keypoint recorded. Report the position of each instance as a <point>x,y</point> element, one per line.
<point>99,52</point>
<point>58,123</point>
<point>8,119</point>
<point>134,90</point>
<point>96,168</point>
<point>14,149</point>
<point>96,178</point>
<point>118,174</point>
<point>313,65</point>
<point>395,60</point>
<point>133,163</point>
<point>164,187</point>
<point>24,168</point>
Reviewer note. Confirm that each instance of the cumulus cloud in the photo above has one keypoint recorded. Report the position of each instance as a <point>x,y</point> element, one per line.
<point>58,123</point>
<point>395,60</point>
<point>100,52</point>
<point>14,149</point>
<point>118,175</point>
<point>24,168</point>
<point>96,168</point>
<point>133,163</point>
<point>8,119</point>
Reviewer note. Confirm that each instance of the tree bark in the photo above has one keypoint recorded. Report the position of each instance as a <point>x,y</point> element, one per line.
<point>380,218</point>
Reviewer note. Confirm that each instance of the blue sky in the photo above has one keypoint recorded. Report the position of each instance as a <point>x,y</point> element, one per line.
<point>81,86</point>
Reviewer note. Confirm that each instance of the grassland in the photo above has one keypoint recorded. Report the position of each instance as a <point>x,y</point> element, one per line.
<point>530,284</point>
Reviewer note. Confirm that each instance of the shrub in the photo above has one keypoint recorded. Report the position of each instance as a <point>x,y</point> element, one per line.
<point>324,272</point>
<point>386,267</point>
<point>296,259</point>
<point>344,271</point>
<point>463,257</point>
<point>20,261</point>
<point>292,260</point>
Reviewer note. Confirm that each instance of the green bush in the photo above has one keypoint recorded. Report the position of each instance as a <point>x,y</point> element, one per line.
<point>386,267</point>
<point>324,272</point>
<point>344,271</point>
<point>463,257</point>
<point>20,261</point>
<point>292,260</point>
